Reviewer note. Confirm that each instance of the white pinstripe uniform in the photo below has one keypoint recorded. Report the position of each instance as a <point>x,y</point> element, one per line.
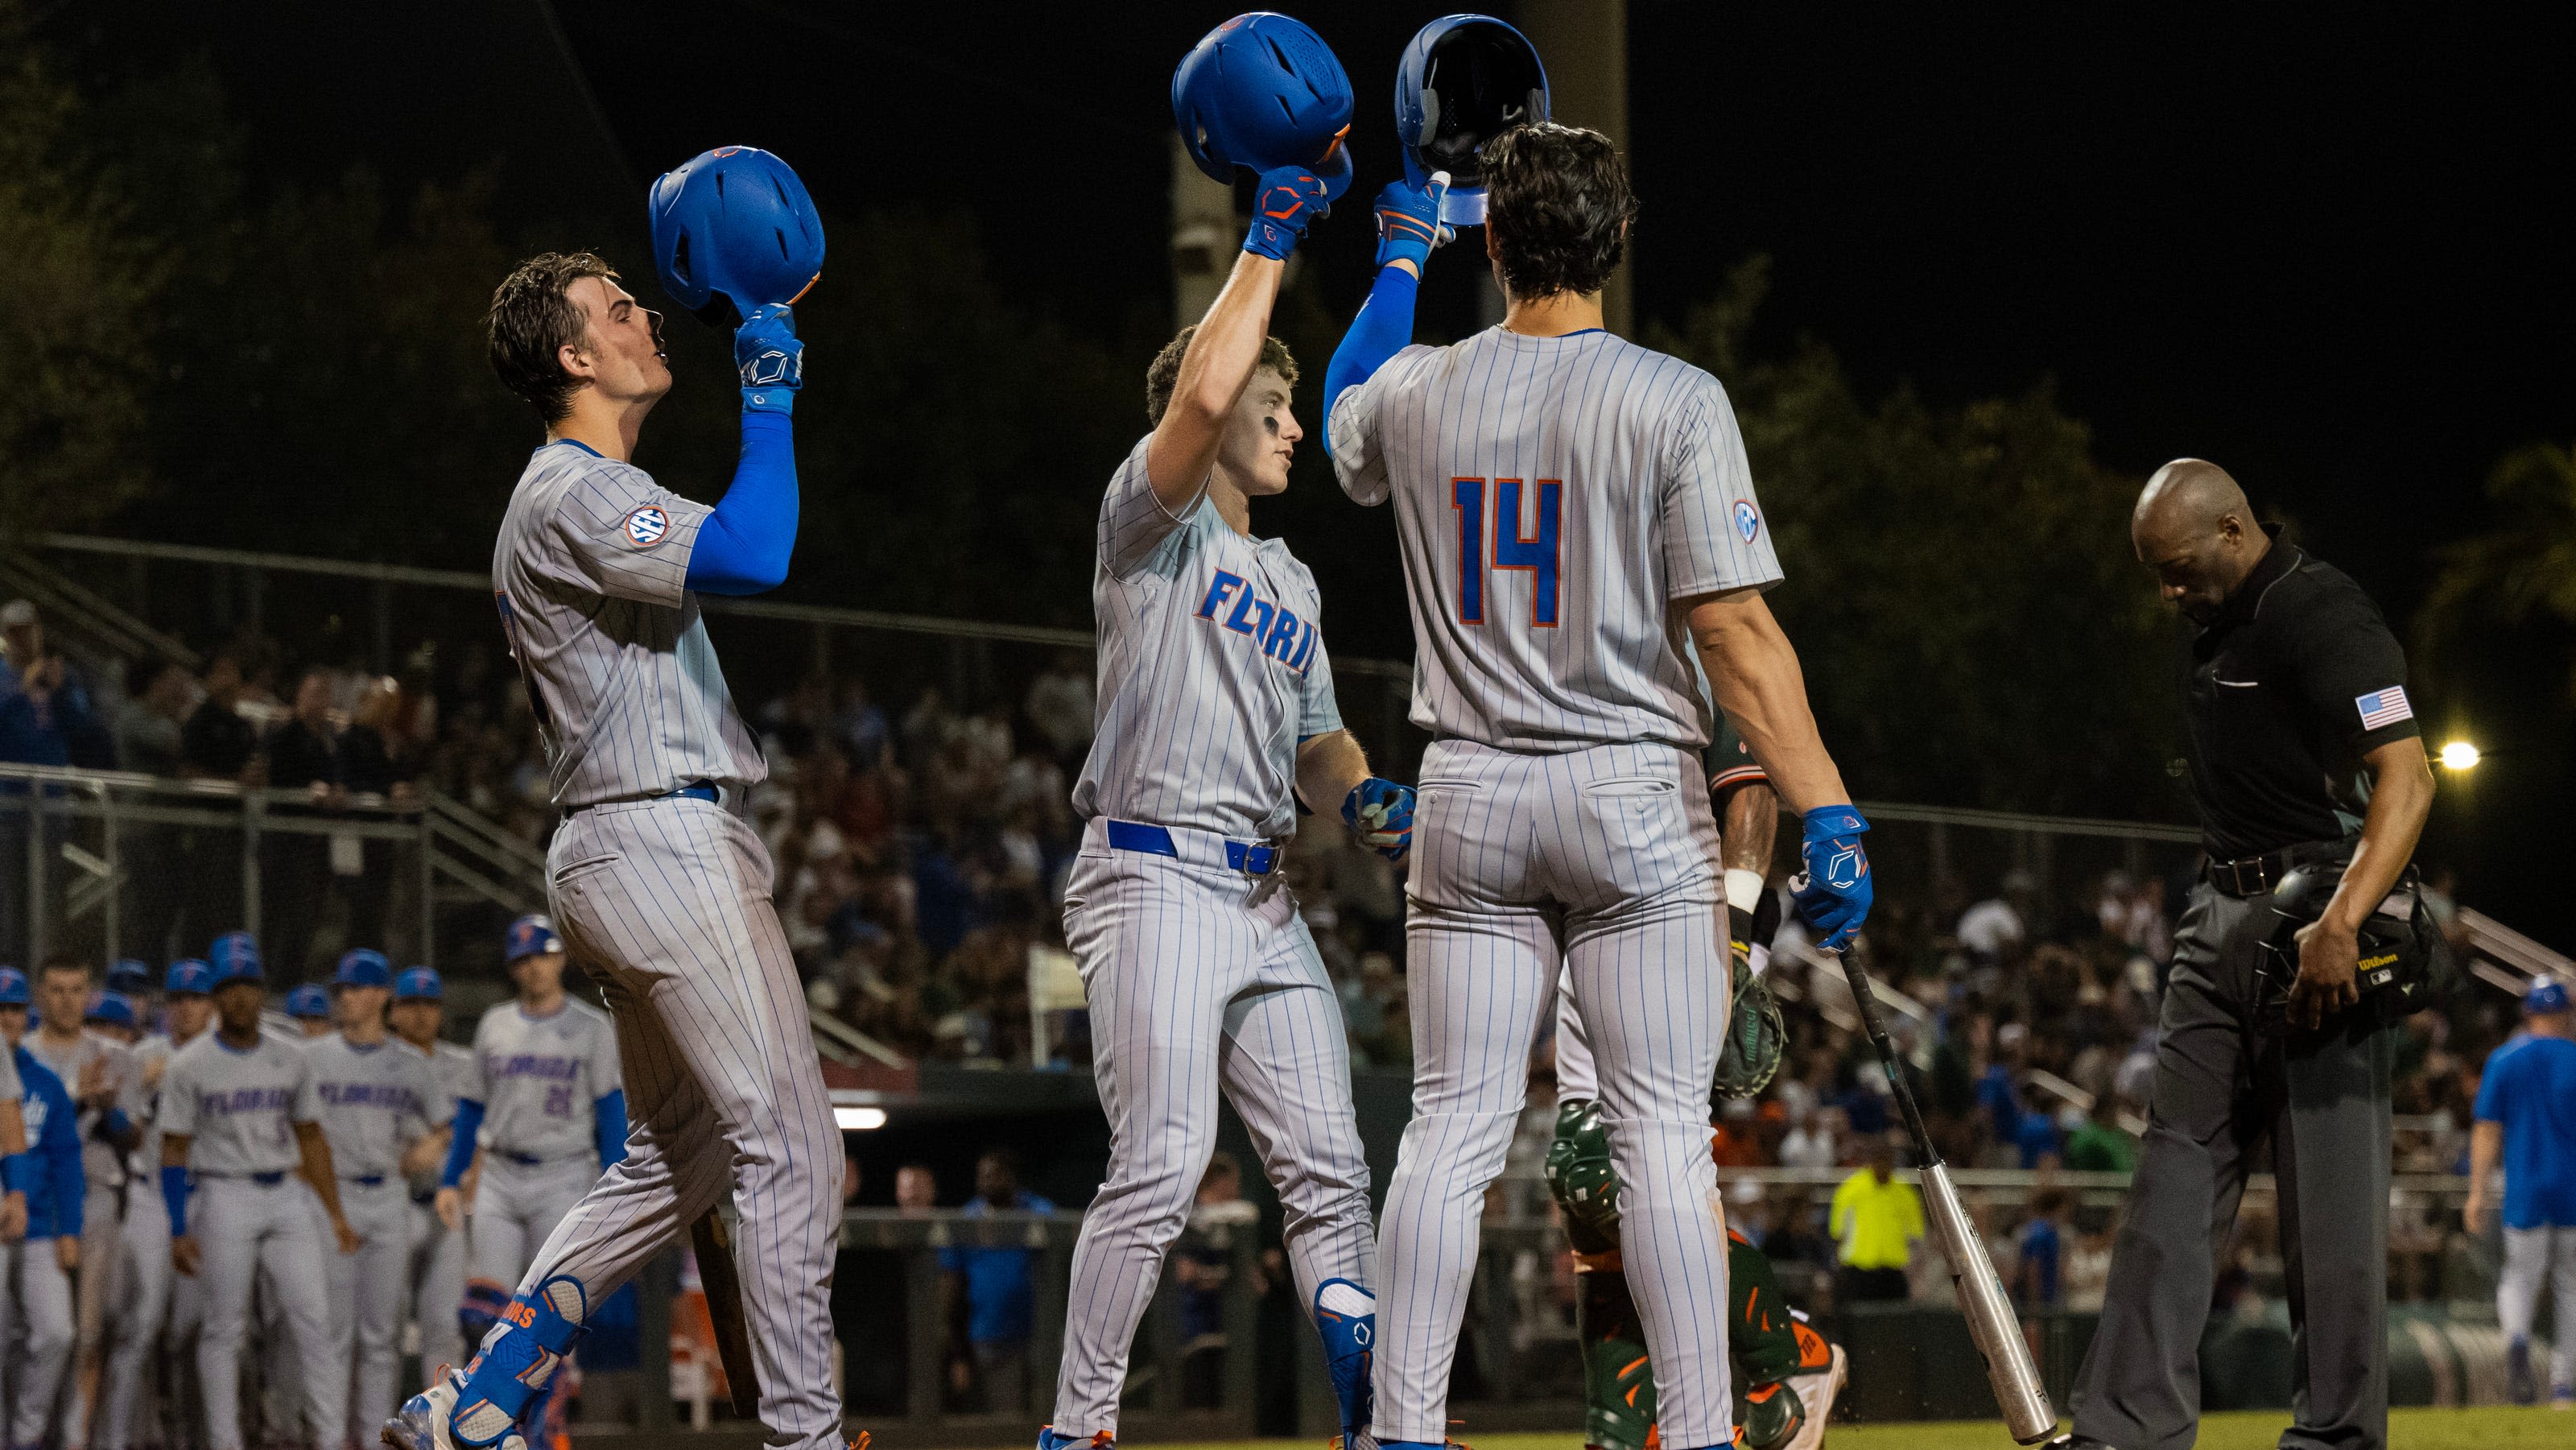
<point>668,899</point>
<point>436,1273</point>
<point>104,1170</point>
<point>538,1079</point>
<point>145,1306</point>
<point>1201,975</point>
<point>1552,496</point>
<point>252,1218</point>
<point>377,1100</point>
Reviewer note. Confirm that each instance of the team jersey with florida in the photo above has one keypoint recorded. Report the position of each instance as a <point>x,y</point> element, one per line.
<point>1212,668</point>
<point>537,1077</point>
<point>590,574</point>
<point>236,1106</point>
<point>376,1099</point>
<point>1553,496</point>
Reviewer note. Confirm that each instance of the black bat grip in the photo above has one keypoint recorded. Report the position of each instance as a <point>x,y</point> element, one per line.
<point>1866,1000</point>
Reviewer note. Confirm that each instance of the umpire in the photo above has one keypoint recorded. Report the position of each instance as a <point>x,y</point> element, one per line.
<point>2304,752</point>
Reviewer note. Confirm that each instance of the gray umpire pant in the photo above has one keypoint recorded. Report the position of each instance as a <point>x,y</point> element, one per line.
<point>2220,1088</point>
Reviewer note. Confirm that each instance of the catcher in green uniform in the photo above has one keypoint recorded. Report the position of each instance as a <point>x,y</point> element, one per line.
<point>1791,1374</point>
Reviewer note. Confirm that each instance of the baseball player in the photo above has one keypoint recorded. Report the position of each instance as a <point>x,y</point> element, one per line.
<point>540,1115</point>
<point>147,1308</point>
<point>94,1068</point>
<point>436,1272</point>
<point>310,1007</point>
<point>239,1115</point>
<point>657,878</point>
<point>133,981</point>
<point>1216,717</point>
<point>377,1100</point>
<point>1575,515</point>
<point>36,1269</point>
<point>15,1166</point>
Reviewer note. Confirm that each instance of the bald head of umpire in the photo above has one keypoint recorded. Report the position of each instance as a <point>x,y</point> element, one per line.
<point>2305,756</point>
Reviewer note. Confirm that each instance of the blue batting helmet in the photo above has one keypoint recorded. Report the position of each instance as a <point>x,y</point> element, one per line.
<point>734,228</point>
<point>363,968</point>
<point>1464,80</point>
<point>129,976</point>
<point>308,1001</point>
<point>112,1008</point>
<point>2545,995</point>
<point>531,935</point>
<point>234,957</point>
<point>419,984</point>
<point>13,987</point>
<point>188,975</point>
<point>1261,91</point>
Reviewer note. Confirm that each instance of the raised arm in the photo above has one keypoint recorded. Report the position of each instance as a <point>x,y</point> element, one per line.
<point>744,545</point>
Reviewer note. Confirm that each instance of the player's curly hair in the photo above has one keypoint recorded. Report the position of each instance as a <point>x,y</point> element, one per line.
<point>1557,208</point>
<point>1165,373</point>
<point>531,322</point>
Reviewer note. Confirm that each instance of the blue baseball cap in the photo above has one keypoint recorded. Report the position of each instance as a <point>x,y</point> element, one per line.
<point>419,984</point>
<point>530,936</point>
<point>188,976</point>
<point>2545,995</point>
<point>363,968</point>
<point>112,1008</point>
<point>234,957</point>
<point>13,987</point>
<point>129,976</point>
<point>308,1001</point>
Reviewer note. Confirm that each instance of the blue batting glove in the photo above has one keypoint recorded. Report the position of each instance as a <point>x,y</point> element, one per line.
<point>1835,900</point>
<point>1286,200</point>
<point>1408,222</point>
<point>771,358</point>
<point>1382,812</point>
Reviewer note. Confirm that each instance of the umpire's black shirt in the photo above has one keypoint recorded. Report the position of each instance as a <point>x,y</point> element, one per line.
<point>2294,681</point>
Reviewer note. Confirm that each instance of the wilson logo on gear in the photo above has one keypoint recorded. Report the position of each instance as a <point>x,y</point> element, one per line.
<point>646,526</point>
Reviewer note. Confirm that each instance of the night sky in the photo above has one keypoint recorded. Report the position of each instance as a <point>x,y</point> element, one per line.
<point>2328,250</point>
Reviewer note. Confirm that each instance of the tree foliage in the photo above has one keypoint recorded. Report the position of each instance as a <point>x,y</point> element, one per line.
<point>2523,570</point>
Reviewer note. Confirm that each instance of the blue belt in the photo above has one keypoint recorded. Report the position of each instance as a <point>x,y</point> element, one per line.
<point>268,1180</point>
<point>530,1160</point>
<point>1248,857</point>
<point>696,790</point>
<point>368,1180</point>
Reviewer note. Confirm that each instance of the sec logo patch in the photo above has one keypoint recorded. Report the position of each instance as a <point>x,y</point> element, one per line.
<point>646,526</point>
<point>1748,520</point>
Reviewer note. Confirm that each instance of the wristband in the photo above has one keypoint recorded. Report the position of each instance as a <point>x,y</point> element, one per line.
<point>14,1172</point>
<point>174,1194</point>
<point>1743,888</point>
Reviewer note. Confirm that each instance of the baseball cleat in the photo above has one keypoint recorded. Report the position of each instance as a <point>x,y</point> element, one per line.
<point>424,1421</point>
<point>1048,1439</point>
<point>1816,1392</point>
<point>1346,1317</point>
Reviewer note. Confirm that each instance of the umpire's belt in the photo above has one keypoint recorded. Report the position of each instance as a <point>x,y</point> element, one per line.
<point>2253,875</point>
<point>1199,848</point>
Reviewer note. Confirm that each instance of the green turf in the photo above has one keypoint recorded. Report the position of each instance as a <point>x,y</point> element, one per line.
<point>2492,1428</point>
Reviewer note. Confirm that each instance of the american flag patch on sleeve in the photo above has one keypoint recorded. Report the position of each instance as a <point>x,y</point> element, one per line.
<point>2384,707</point>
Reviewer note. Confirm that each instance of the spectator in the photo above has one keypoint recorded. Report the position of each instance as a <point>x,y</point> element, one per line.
<point>374,772</point>
<point>2036,1279</point>
<point>303,755</point>
<point>45,716</point>
<point>1060,705</point>
<point>916,1188</point>
<point>2102,1145</point>
<point>2526,1123</point>
<point>147,724</point>
<point>1877,1220</point>
<point>218,743</point>
<point>1995,927</point>
<point>997,1289</point>
<point>1203,1266</point>
<point>1810,1143</point>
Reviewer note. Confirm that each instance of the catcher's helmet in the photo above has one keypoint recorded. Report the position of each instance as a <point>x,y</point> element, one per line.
<point>734,229</point>
<point>1260,91</point>
<point>1464,80</point>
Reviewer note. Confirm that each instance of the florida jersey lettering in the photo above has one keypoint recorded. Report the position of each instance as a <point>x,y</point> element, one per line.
<point>1274,627</point>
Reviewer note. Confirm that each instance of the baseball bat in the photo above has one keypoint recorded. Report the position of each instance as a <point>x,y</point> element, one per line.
<point>723,1286</point>
<point>1991,1322</point>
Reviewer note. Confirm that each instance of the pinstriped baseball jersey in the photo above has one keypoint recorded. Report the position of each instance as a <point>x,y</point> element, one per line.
<point>376,1100</point>
<point>537,1077</point>
<point>235,1105</point>
<point>1212,668</point>
<point>590,574</point>
<point>1553,495</point>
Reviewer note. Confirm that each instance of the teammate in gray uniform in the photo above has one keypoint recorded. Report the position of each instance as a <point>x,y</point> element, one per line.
<point>1575,515</point>
<point>436,1271</point>
<point>378,1098</point>
<point>540,1114</point>
<point>239,1114</point>
<point>149,1318</point>
<point>93,1068</point>
<point>657,878</point>
<point>1216,715</point>
<point>36,1268</point>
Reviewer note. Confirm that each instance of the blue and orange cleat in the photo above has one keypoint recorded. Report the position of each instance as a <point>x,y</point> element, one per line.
<point>1048,1439</point>
<point>423,1422</point>
<point>1346,1317</point>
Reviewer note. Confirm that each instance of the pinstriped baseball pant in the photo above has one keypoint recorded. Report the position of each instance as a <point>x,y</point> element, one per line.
<point>1602,861</point>
<point>1200,980</point>
<point>669,901</point>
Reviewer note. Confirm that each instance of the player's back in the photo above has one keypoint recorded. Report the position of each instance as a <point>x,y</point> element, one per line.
<point>590,573</point>
<point>1553,495</point>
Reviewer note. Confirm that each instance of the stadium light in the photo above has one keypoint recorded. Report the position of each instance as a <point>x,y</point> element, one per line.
<point>858,1120</point>
<point>2459,755</point>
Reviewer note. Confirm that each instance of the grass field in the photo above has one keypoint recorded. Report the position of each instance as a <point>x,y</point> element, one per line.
<point>2493,1428</point>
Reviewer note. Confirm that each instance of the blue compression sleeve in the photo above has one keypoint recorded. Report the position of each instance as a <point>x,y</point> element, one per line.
<point>174,1194</point>
<point>460,1147</point>
<point>608,1119</point>
<point>743,546</point>
<point>1384,326</point>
